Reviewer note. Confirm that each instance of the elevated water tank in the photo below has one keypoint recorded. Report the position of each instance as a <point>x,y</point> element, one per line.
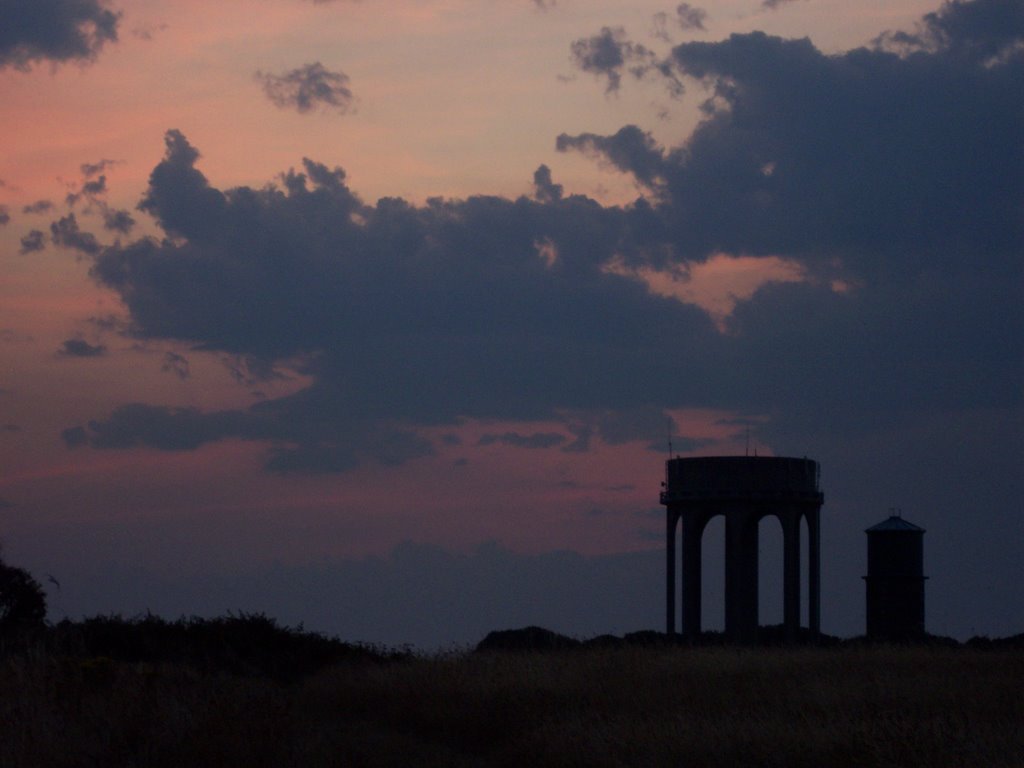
<point>895,581</point>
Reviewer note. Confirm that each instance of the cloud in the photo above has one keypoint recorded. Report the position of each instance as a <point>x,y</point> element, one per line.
<point>74,437</point>
<point>94,169</point>
<point>97,186</point>
<point>32,242</point>
<point>690,17</point>
<point>118,220</point>
<point>5,216</point>
<point>631,150</point>
<point>988,32</point>
<point>535,440</point>
<point>545,190</point>
<point>54,30</point>
<point>81,348</point>
<point>149,31</point>
<point>39,206</point>
<point>66,233</point>
<point>308,88</point>
<point>870,171</point>
<point>850,156</point>
<point>389,304</point>
<point>176,364</point>
<point>610,54</point>
<point>607,54</point>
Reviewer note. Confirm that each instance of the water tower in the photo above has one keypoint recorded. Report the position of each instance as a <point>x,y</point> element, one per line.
<point>895,581</point>
<point>743,489</point>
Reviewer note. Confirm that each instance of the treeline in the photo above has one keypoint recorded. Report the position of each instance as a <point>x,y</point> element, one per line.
<point>244,644</point>
<point>540,639</point>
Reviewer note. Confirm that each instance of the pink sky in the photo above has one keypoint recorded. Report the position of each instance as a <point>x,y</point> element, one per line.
<point>452,98</point>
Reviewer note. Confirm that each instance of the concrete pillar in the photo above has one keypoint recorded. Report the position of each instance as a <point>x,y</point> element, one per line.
<point>671,523</point>
<point>814,566</point>
<point>741,564</point>
<point>693,532</point>
<point>791,573</point>
<point>749,583</point>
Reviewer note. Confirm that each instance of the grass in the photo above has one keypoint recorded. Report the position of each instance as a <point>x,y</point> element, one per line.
<point>631,706</point>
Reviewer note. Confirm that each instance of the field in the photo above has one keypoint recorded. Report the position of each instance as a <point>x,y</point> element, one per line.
<point>625,706</point>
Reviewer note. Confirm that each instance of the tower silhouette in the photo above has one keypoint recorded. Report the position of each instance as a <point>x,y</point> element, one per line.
<point>895,581</point>
<point>744,489</point>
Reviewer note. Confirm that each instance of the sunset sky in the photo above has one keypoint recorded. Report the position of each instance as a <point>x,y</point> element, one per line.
<point>379,316</point>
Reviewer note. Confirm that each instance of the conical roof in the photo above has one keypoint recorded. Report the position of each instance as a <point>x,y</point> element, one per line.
<point>896,524</point>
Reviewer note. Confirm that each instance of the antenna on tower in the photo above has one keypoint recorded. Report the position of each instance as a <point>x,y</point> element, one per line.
<point>670,437</point>
<point>746,450</point>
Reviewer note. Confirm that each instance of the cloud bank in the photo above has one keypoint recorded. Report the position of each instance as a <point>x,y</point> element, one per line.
<point>57,31</point>
<point>870,170</point>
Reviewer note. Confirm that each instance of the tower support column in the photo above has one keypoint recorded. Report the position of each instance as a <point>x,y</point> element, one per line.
<point>791,574</point>
<point>741,566</point>
<point>814,566</point>
<point>671,523</point>
<point>693,532</point>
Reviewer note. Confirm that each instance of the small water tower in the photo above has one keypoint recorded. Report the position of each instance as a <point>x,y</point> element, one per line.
<point>895,581</point>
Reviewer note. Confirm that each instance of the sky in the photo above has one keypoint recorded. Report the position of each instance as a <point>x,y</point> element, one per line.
<point>379,317</point>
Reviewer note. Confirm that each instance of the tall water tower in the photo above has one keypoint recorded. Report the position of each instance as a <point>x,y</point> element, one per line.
<point>895,581</point>
<point>743,489</point>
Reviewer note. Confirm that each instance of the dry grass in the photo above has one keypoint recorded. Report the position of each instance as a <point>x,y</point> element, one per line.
<point>855,706</point>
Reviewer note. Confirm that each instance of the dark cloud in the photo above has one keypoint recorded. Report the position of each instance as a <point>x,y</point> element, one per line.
<point>118,220</point>
<point>859,158</point>
<point>535,440</point>
<point>39,206</point>
<point>875,172</point>
<point>66,233</point>
<point>74,437</point>
<point>391,304</point>
<point>631,150</point>
<point>690,17</point>
<point>94,169</point>
<point>545,190</point>
<point>32,242</point>
<point>5,216</point>
<point>97,186</point>
<point>171,429</point>
<point>988,32</point>
<point>307,88</point>
<point>54,30</point>
<point>92,188</point>
<point>774,4</point>
<point>609,54</point>
<point>148,32</point>
<point>81,348</point>
<point>176,364</point>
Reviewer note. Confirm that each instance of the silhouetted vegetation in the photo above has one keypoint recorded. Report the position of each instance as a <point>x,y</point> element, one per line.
<point>859,705</point>
<point>22,601</point>
<point>242,690</point>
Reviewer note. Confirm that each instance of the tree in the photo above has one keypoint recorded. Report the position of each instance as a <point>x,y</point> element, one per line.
<point>22,600</point>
